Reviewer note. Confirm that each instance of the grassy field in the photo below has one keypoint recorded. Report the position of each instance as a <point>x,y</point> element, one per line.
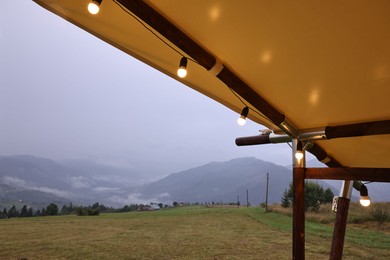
<point>180,233</point>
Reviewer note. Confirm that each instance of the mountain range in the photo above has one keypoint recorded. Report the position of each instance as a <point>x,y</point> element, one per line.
<point>35,181</point>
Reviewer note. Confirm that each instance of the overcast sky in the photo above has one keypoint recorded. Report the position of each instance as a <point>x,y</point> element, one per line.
<point>65,94</point>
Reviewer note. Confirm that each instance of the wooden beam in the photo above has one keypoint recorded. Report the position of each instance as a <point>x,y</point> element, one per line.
<point>340,226</point>
<point>164,27</point>
<point>322,156</point>
<point>253,140</point>
<point>298,213</point>
<point>346,173</point>
<point>361,129</point>
<point>241,88</point>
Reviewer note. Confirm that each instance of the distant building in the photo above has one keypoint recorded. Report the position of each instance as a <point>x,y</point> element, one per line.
<point>151,207</point>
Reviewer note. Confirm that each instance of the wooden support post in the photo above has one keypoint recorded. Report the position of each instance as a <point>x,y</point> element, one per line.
<point>339,229</point>
<point>298,214</point>
<point>340,225</point>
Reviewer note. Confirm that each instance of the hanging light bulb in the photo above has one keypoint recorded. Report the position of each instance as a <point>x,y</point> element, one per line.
<point>182,70</point>
<point>94,6</point>
<point>242,119</point>
<point>299,151</point>
<point>364,199</point>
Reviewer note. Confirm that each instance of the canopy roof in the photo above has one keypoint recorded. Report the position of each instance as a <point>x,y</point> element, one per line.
<point>307,64</point>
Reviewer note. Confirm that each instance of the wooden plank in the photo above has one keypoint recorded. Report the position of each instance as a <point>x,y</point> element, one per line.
<point>361,129</point>
<point>241,88</point>
<point>340,226</point>
<point>200,55</point>
<point>253,140</point>
<point>322,155</point>
<point>164,27</point>
<point>346,173</point>
<point>298,213</point>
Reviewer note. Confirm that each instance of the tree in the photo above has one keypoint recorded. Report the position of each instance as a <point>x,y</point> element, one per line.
<point>38,213</point>
<point>23,212</point>
<point>65,210</point>
<point>285,199</point>
<point>96,205</point>
<point>12,212</point>
<point>314,196</point>
<point>52,210</point>
<point>80,211</point>
<point>30,212</point>
<point>3,214</point>
<point>328,196</point>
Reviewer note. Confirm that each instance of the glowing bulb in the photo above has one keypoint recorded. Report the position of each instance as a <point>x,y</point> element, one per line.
<point>365,201</point>
<point>242,119</point>
<point>299,155</point>
<point>182,70</point>
<point>299,151</point>
<point>94,6</point>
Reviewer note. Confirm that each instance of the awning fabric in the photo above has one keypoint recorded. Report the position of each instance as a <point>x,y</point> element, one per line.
<point>319,63</point>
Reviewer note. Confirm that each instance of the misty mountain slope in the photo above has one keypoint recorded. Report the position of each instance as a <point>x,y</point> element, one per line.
<point>39,180</point>
<point>222,181</point>
<point>28,174</point>
<point>24,171</point>
<point>100,172</point>
<point>33,198</point>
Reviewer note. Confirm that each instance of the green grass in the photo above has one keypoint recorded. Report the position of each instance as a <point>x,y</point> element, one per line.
<point>180,233</point>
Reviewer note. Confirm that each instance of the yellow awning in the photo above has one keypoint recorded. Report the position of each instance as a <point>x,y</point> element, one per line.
<point>318,63</point>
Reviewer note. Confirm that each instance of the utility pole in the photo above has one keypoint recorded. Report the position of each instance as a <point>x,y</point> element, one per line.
<point>266,194</point>
<point>247,198</point>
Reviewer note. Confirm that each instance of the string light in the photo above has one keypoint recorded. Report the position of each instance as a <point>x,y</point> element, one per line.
<point>94,6</point>
<point>182,70</point>
<point>299,151</point>
<point>364,199</point>
<point>242,119</point>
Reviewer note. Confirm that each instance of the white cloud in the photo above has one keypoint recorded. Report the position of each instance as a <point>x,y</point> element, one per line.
<point>164,195</point>
<point>57,192</point>
<point>105,189</point>
<point>80,182</point>
<point>132,198</point>
<point>18,183</point>
<point>15,182</point>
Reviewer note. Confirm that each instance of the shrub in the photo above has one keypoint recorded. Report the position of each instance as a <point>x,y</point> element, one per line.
<point>87,211</point>
<point>379,214</point>
<point>93,212</point>
<point>80,211</point>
